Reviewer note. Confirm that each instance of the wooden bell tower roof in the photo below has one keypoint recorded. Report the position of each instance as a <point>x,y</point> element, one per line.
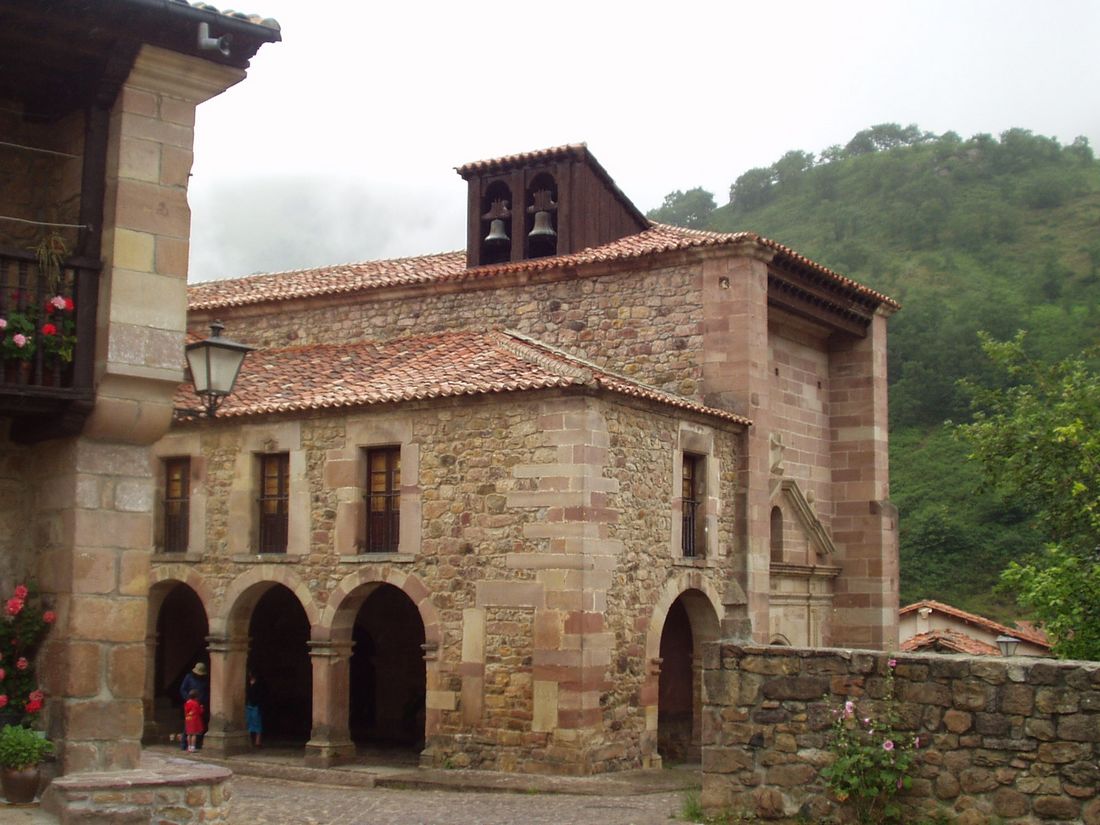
<point>538,204</point>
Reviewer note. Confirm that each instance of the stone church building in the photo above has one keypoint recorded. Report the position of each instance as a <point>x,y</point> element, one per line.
<point>487,505</point>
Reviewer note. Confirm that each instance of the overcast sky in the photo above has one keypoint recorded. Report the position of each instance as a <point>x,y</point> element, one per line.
<point>341,143</point>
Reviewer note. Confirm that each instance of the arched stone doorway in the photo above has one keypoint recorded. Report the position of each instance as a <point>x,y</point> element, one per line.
<point>278,652</point>
<point>178,631</point>
<point>387,672</point>
<point>691,620</point>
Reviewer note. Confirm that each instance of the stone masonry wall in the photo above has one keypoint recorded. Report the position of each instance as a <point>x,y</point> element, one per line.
<point>643,323</point>
<point>544,545</point>
<point>1002,740</point>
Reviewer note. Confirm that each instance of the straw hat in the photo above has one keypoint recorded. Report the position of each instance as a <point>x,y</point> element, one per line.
<point>199,669</point>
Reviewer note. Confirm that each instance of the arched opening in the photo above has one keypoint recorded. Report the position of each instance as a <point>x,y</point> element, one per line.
<point>777,534</point>
<point>690,622</point>
<point>279,655</point>
<point>496,224</point>
<point>540,224</point>
<point>387,673</point>
<point>181,631</point>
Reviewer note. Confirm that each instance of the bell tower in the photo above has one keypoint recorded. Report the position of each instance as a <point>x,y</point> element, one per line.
<point>545,203</point>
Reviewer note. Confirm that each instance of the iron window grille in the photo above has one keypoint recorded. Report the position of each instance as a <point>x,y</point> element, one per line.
<point>177,504</point>
<point>383,499</point>
<point>691,537</point>
<point>274,498</point>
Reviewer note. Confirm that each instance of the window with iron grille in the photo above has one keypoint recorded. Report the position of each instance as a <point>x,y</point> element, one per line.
<point>692,536</point>
<point>177,504</point>
<point>383,499</point>
<point>274,488</point>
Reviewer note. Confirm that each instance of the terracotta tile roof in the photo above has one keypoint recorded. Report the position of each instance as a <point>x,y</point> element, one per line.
<point>949,640</point>
<point>436,366</point>
<point>1025,634</point>
<point>254,19</point>
<point>451,266</point>
<point>575,151</point>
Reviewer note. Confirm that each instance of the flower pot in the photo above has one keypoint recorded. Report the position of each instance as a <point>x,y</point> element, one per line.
<point>20,786</point>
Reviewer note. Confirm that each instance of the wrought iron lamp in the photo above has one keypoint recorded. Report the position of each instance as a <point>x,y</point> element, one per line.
<point>1008,645</point>
<point>215,364</point>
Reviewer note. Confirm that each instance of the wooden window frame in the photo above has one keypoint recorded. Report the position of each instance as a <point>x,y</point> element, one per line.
<point>693,503</point>
<point>382,497</point>
<point>177,504</point>
<point>273,502</point>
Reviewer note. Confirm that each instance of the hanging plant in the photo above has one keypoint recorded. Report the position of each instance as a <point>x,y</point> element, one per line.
<point>51,253</point>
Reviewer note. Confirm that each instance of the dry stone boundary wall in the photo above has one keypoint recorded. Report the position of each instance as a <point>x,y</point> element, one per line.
<point>1003,740</point>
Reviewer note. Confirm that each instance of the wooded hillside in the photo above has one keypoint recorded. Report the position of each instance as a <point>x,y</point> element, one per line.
<point>985,234</point>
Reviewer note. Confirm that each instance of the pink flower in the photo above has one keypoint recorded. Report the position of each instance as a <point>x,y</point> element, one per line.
<point>888,745</point>
<point>2,674</point>
<point>849,709</point>
<point>14,606</point>
<point>49,617</point>
<point>899,783</point>
<point>893,663</point>
<point>19,339</point>
<point>21,591</point>
<point>3,699</point>
<point>3,323</point>
<point>37,696</point>
<point>58,302</point>
<point>21,663</point>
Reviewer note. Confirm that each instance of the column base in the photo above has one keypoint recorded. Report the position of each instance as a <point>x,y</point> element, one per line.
<point>226,743</point>
<point>320,754</point>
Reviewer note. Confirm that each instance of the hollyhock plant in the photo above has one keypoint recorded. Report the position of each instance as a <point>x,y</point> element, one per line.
<point>23,626</point>
<point>871,758</point>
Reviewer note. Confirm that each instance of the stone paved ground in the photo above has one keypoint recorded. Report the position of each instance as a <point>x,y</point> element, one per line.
<point>258,801</point>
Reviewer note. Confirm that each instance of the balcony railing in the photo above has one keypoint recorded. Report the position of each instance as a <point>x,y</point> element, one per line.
<point>47,351</point>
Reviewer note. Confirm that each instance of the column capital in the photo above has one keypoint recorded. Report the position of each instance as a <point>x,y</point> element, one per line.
<point>224,644</point>
<point>330,649</point>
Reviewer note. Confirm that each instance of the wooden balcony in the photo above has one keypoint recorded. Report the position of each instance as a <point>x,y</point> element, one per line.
<point>44,394</point>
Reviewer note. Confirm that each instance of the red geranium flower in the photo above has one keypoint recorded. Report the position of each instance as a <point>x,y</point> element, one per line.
<point>33,706</point>
<point>49,329</point>
<point>3,699</point>
<point>21,663</point>
<point>49,617</point>
<point>21,591</point>
<point>14,606</point>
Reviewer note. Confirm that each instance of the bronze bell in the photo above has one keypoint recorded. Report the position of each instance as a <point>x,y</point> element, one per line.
<point>543,227</point>
<point>496,232</point>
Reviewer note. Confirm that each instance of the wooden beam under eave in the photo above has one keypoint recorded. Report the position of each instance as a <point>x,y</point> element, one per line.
<point>814,310</point>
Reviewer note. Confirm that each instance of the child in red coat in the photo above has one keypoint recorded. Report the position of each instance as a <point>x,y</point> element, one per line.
<point>192,719</point>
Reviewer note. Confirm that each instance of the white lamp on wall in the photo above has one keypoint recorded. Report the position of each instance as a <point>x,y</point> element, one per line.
<point>215,364</point>
<point>1008,645</point>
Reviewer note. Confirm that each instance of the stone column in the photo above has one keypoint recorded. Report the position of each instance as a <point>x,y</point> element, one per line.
<point>735,376</point>
<point>865,523</point>
<point>329,742</point>
<point>148,704</point>
<point>97,492</point>
<point>228,664</point>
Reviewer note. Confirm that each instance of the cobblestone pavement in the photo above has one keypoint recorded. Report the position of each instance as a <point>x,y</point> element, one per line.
<point>258,801</point>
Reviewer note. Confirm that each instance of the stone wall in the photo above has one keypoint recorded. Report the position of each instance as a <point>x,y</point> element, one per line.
<point>541,559</point>
<point>161,791</point>
<point>643,323</point>
<point>1002,740</point>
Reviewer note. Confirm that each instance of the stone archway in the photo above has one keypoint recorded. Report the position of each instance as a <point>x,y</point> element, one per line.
<point>687,616</point>
<point>177,627</point>
<point>266,621</point>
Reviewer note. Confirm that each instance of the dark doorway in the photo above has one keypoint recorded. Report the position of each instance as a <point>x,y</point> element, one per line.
<point>675,691</point>
<point>182,629</point>
<point>279,655</point>
<point>387,672</point>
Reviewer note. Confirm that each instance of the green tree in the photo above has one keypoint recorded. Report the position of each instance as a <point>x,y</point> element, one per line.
<point>1037,441</point>
<point>691,208</point>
